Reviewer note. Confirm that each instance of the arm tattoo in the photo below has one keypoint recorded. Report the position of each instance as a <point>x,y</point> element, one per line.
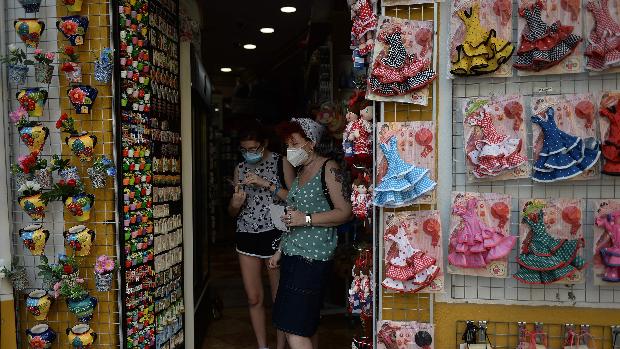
<point>341,178</point>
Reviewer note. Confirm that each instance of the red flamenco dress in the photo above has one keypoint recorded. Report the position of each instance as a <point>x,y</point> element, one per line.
<point>611,146</point>
<point>543,46</point>
<point>395,72</point>
<point>407,268</point>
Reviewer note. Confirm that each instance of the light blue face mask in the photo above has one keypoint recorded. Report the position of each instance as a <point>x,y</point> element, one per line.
<point>252,157</point>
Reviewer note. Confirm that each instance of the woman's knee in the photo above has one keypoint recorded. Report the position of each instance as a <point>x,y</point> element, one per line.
<point>255,299</point>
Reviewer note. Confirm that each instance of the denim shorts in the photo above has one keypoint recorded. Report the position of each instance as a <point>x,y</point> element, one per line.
<point>297,308</point>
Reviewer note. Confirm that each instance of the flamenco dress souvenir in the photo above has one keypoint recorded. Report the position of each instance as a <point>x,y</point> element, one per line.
<point>29,30</point>
<point>40,336</point>
<point>562,155</point>
<point>395,72</point>
<point>82,98</point>
<point>30,6</point>
<point>475,245</point>
<point>403,183</point>
<point>543,46</point>
<point>495,153</point>
<point>34,238</point>
<point>407,269</point>
<point>611,147</point>
<point>364,24</point>
<point>481,52</point>
<point>604,40</point>
<point>544,259</point>
<point>609,248</point>
<point>33,100</point>
<point>73,28</point>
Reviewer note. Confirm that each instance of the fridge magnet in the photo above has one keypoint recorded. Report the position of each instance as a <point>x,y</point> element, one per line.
<point>550,37</point>
<point>406,148</point>
<point>402,61</point>
<point>413,252</point>
<point>551,242</point>
<point>565,144</point>
<point>495,138</point>
<point>480,36</point>
<point>606,258</point>
<point>480,240</point>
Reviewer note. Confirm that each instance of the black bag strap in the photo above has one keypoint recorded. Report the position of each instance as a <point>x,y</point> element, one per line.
<point>281,172</point>
<point>324,185</point>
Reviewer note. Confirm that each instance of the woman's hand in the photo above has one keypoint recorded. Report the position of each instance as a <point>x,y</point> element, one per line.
<point>238,198</point>
<point>274,261</point>
<point>294,219</point>
<point>256,180</point>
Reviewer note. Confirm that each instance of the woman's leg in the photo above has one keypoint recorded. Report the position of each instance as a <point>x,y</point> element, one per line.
<point>274,279</point>
<point>251,268</point>
<point>298,342</point>
<point>315,340</point>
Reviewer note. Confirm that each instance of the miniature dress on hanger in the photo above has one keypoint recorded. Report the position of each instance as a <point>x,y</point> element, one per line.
<point>544,259</point>
<point>403,183</point>
<point>610,249</point>
<point>611,146</point>
<point>604,40</point>
<point>474,244</point>
<point>495,152</point>
<point>543,46</point>
<point>482,52</point>
<point>407,269</point>
<point>364,24</point>
<point>395,72</point>
<point>562,155</point>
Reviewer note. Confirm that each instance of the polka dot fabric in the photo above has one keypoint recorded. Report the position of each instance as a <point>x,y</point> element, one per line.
<point>604,40</point>
<point>611,147</point>
<point>545,259</point>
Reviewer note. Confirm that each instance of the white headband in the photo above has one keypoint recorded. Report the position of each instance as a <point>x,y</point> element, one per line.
<point>312,129</point>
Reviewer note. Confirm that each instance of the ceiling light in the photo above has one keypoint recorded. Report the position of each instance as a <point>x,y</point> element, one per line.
<point>249,46</point>
<point>267,30</point>
<point>225,70</point>
<point>288,9</point>
<point>217,109</point>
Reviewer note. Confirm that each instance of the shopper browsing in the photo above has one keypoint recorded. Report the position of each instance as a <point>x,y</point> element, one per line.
<point>317,202</point>
<point>261,180</point>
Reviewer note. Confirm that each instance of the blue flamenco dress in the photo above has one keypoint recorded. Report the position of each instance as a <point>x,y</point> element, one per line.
<point>403,183</point>
<point>562,155</point>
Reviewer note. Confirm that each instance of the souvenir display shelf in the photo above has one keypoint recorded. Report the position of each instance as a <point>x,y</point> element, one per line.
<point>98,122</point>
<point>150,140</point>
<point>397,306</point>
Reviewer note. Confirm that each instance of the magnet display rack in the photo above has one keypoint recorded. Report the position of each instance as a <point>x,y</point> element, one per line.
<point>148,128</point>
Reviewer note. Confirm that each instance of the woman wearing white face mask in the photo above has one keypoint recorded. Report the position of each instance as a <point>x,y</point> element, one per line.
<point>317,202</point>
<point>260,180</point>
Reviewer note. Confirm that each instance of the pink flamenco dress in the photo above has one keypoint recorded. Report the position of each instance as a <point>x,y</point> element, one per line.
<point>543,46</point>
<point>395,72</point>
<point>603,50</point>
<point>495,152</point>
<point>474,244</point>
<point>407,268</point>
<point>609,249</point>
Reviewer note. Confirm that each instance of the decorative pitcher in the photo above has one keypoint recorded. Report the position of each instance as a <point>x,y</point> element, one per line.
<point>34,206</point>
<point>82,145</point>
<point>82,307</point>
<point>33,100</point>
<point>82,97</point>
<point>38,304</point>
<point>34,238</point>
<point>80,206</point>
<point>73,28</point>
<point>34,136</point>
<point>30,6</point>
<point>81,336</point>
<point>29,30</point>
<point>40,336</point>
<point>80,239</point>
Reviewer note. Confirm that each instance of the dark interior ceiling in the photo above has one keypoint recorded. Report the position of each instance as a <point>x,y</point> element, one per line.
<point>231,24</point>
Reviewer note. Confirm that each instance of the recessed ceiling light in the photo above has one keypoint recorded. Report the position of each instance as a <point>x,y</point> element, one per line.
<point>267,30</point>
<point>225,70</point>
<point>217,109</point>
<point>249,46</point>
<point>288,9</point>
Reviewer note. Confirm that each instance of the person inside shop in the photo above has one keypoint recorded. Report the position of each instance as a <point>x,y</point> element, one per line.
<point>261,181</point>
<point>317,203</point>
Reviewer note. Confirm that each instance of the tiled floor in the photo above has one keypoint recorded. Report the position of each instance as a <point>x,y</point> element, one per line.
<point>234,330</point>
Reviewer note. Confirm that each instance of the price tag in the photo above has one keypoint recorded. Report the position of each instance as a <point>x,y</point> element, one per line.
<point>545,89</point>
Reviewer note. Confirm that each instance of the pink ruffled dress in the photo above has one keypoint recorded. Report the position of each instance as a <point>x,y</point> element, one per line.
<point>604,40</point>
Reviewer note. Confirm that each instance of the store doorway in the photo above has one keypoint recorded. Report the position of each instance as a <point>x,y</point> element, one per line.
<point>270,76</point>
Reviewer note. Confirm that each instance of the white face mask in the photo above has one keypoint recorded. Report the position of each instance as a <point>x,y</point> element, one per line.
<point>297,156</point>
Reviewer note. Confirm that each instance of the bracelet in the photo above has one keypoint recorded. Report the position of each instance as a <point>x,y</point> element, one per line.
<point>276,190</point>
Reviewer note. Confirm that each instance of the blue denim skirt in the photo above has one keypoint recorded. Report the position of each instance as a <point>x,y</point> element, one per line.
<point>297,308</point>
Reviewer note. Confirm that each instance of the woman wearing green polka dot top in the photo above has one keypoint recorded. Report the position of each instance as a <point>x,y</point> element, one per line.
<point>317,203</point>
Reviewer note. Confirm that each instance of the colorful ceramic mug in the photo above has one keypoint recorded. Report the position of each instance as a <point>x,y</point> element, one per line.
<point>34,238</point>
